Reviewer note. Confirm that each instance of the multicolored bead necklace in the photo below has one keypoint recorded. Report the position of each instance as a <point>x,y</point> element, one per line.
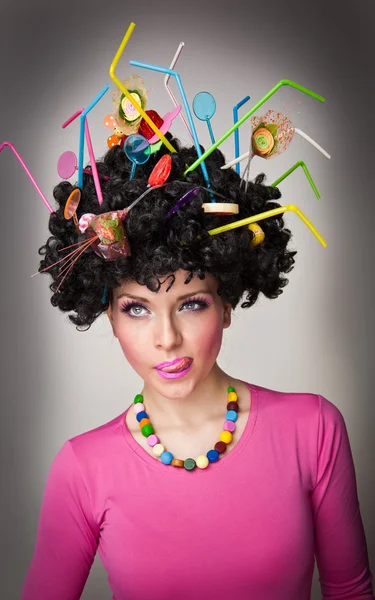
<point>189,463</point>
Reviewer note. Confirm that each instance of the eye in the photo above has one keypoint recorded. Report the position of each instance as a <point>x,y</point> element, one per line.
<point>200,302</point>
<point>126,308</point>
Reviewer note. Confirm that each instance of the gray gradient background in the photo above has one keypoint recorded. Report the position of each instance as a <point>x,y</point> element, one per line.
<point>317,337</point>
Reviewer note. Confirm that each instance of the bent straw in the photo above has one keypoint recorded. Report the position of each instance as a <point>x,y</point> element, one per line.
<point>28,173</point>
<point>142,65</point>
<point>299,163</point>
<point>91,153</point>
<point>250,112</point>
<point>121,86</point>
<point>236,133</point>
<point>82,119</point>
<point>166,83</point>
<point>312,142</point>
<point>271,213</point>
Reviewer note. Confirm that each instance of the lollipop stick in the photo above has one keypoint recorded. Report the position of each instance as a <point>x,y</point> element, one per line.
<point>134,165</point>
<point>166,83</point>
<point>266,215</point>
<point>142,65</point>
<point>120,85</point>
<point>2,146</point>
<point>210,130</point>
<point>312,142</point>
<point>249,113</point>
<point>299,163</point>
<point>236,133</point>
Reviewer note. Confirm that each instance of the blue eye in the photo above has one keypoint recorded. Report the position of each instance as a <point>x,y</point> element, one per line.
<point>129,306</point>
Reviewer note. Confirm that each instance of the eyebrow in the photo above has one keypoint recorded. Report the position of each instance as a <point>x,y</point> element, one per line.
<point>180,298</point>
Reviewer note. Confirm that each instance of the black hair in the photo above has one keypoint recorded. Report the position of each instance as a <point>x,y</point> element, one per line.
<point>155,242</point>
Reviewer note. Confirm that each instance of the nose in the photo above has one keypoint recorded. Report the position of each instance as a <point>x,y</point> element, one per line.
<point>167,334</point>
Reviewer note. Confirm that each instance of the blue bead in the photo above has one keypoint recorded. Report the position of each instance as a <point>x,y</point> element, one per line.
<point>166,458</point>
<point>141,415</point>
<point>212,455</point>
<point>231,415</point>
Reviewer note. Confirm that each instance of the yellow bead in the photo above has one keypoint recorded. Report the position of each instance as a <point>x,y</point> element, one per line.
<point>158,449</point>
<point>232,397</point>
<point>226,437</point>
<point>202,461</point>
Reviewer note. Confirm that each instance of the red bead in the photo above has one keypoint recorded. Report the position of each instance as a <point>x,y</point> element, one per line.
<point>232,406</point>
<point>220,447</point>
<point>145,129</point>
<point>161,171</point>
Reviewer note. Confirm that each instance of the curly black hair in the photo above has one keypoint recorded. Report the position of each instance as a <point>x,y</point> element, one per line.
<point>155,242</point>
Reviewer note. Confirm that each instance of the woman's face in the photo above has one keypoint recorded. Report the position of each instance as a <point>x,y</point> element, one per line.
<point>157,327</point>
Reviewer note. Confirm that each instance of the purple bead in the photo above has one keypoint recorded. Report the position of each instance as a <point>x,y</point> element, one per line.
<point>229,426</point>
<point>152,440</point>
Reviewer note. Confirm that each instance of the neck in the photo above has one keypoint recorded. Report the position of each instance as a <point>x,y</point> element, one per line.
<point>206,401</point>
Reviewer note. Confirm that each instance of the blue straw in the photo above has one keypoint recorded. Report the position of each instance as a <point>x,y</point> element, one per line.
<point>142,65</point>
<point>237,133</point>
<point>82,133</point>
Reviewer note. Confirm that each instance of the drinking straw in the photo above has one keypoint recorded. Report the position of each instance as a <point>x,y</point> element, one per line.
<point>270,213</point>
<point>312,142</point>
<point>17,154</point>
<point>82,119</point>
<point>236,133</point>
<point>91,153</point>
<point>120,85</point>
<point>142,65</point>
<point>166,83</point>
<point>299,163</point>
<point>250,112</point>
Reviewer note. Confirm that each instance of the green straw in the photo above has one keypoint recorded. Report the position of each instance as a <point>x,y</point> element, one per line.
<point>299,163</point>
<point>249,113</point>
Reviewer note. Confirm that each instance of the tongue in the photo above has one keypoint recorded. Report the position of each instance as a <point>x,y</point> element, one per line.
<point>185,362</point>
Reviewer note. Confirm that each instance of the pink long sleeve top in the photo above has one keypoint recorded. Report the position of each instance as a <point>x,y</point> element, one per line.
<point>248,527</point>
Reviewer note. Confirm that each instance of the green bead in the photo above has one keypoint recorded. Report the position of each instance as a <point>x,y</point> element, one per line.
<point>231,389</point>
<point>138,398</point>
<point>147,430</point>
<point>189,464</point>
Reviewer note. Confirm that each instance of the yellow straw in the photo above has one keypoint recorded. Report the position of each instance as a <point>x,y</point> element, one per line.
<point>271,213</point>
<point>128,95</point>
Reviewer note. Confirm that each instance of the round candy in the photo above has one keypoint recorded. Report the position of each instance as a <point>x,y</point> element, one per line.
<point>147,430</point>
<point>263,141</point>
<point>161,171</point>
<point>144,422</point>
<point>229,426</point>
<point>138,408</point>
<point>176,462</point>
<point>158,449</point>
<point>258,232</point>
<point>152,440</point>
<point>231,415</point>
<point>129,110</point>
<point>204,106</point>
<point>232,396</point>
<point>137,148</point>
<point>220,447</point>
<point>202,462</point>
<point>232,406</point>
<point>189,464</point>
<point>220,208</point>
<point>141,415</point>
<point>213,455</point>
<point>138,398</point>
<point>230,389</point>
<point>166,458</point>
<point>67,165</point>
<point>226,437</point>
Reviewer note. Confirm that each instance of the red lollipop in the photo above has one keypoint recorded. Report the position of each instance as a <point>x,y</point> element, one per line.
<point>161,171</point>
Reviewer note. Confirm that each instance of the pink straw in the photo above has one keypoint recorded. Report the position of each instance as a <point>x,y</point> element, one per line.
<point>91,153</point>
<point>28,173</point>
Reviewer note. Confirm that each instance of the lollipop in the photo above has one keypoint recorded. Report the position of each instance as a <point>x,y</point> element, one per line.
<point>204,107</point>
<point>137,149</point>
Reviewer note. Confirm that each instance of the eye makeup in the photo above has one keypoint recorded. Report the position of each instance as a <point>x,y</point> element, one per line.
<point>200,301</point>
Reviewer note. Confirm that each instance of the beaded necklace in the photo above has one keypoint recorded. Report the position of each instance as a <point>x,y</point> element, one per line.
<point>189,464</point>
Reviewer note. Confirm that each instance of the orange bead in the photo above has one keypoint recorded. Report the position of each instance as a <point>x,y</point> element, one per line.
<point>144,422</point>
<point>176,462</point>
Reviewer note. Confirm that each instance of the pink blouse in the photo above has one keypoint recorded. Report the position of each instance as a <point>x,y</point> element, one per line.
<point>248,526</point>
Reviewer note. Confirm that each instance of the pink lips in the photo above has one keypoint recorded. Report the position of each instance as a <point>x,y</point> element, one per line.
<point>178,364</point>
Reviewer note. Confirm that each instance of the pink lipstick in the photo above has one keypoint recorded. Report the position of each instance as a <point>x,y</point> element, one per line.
<point>175,369</point>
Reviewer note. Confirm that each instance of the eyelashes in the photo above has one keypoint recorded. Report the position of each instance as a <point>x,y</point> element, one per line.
<point>127,306</point>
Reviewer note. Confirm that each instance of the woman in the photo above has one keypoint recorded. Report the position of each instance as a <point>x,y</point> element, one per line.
<point>207,486</point>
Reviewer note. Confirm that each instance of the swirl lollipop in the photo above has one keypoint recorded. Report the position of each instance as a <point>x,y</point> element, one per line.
<point>137,149</point>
